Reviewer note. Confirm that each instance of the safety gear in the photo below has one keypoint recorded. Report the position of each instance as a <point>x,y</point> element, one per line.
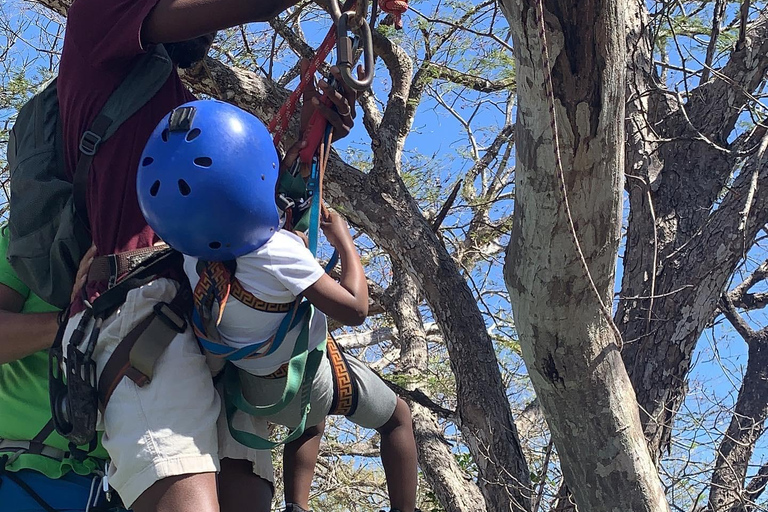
<point>206,181</point>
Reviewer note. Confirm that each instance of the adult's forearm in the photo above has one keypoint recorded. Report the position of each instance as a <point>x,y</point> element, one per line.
<point>179,20</point>
<point>23,334</point>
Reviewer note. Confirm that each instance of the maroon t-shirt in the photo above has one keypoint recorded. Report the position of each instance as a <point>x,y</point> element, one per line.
<point>102,41</point>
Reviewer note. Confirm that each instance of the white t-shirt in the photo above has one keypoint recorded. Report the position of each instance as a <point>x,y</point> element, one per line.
<point>277,272</point>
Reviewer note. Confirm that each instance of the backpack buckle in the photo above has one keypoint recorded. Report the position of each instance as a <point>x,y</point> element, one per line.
<point>89,143</point>
<point>170,317</point>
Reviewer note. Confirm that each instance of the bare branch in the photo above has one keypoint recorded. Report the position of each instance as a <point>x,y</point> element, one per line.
<point>717,18</point>
<point>446,207</point>
<point>476,83</point>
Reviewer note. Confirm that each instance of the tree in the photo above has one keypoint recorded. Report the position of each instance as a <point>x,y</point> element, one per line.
<point>561,258</point>
<point>433,224</point>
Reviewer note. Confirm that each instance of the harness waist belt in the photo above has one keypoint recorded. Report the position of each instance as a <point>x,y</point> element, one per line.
<point>34,448</point>
<point>111,266</point>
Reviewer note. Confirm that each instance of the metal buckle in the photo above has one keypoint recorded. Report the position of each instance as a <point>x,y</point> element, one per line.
<point>181,119</point>
<point>170,317</point>
<point>345,53</point>
<point>89,143</point>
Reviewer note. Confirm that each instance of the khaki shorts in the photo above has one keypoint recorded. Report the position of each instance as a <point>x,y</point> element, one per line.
<point>172,426</point>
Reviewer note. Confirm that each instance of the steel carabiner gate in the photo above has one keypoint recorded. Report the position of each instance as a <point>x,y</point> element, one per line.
<point>345,47</point>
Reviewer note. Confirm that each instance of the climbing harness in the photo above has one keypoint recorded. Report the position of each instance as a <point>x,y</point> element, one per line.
<point>11,450</point>
<point>76,394</point>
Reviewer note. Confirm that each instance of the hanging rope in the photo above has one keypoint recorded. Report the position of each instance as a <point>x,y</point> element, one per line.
<point>279,123</point>
<point>549,88</point>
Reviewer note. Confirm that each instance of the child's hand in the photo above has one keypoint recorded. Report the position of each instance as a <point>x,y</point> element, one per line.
<point>335,229</point>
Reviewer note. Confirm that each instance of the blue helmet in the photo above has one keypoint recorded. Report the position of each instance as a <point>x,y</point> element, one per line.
<point>206,181</point>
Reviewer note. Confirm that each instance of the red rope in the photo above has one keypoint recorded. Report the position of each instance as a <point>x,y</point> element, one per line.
<point>279,123</point>
<point>396,8</point>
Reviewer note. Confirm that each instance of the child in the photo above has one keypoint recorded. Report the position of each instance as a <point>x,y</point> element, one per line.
<point>207,186</point>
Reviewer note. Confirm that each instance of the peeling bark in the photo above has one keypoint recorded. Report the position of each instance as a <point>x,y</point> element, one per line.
<point>680,251</point>
<point>727,493</point>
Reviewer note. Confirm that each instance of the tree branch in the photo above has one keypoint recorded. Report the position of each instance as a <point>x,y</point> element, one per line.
<point>476,83</point>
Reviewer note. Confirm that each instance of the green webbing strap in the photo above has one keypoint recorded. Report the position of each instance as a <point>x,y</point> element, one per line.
<point>259,443</point>
<point>302,369</point>
<point>296,367</point>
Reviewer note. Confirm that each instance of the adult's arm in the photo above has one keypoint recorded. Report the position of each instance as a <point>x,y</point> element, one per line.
<point>22,334</point>
<point>180,20</point>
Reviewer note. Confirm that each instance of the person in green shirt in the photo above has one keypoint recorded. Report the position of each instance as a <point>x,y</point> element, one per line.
<point>38,469</point>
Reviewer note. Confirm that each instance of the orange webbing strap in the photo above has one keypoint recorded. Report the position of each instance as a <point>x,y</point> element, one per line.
<point>218,283</point>
<point>345,388</point>
<point>214,286</point>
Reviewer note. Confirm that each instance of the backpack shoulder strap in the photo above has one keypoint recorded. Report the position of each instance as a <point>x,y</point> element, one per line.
<point>143,81</point>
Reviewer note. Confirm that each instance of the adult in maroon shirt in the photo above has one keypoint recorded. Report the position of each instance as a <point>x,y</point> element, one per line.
<point>162,437</point>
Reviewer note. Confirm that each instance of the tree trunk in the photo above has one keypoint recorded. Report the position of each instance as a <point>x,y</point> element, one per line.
<point>681,249</point>
<point>454,489</point>
<point>568,346</point>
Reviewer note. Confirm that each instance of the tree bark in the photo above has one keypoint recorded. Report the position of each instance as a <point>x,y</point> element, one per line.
<point>681,249</point>
<point>455,490</point>
<point>727,492</point>
<point>568,346</point>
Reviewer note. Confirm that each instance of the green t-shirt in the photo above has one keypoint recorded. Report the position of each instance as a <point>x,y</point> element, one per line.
<point>24,405</point>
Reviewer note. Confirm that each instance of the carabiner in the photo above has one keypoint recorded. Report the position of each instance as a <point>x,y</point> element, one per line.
<point>335,10</point>
<point>345,54</point>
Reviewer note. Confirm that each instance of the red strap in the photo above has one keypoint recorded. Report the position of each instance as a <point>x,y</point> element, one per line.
<point>279,123</point>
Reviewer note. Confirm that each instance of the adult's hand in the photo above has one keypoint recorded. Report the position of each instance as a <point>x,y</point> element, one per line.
<point>82,272</point>
<point>341,115</point>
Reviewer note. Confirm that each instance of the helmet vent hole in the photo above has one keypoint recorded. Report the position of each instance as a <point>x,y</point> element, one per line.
<point>147,161</point>
<point>193,134</point>
<point>155,188</point>
<point>215,245</point>
<point>203,161</point>
<point>165,135</point>
<point>263,177</point>
<point>184,188</point>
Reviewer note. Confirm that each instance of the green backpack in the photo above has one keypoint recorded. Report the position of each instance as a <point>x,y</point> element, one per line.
<point>48,222</point>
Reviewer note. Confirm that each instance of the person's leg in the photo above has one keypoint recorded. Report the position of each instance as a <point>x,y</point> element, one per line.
<point>161,437</point>
<point>398,456</point>
<point>299,459</point>
<point>380,408</point>
<point>241,490</point>
<point>246,481</point>
<point>180,493</point>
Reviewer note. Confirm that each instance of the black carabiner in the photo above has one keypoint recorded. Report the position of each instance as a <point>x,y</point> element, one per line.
<point>345,54</point>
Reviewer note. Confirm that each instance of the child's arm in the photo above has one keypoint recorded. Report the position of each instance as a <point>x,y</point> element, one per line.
<point>346,301</point>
